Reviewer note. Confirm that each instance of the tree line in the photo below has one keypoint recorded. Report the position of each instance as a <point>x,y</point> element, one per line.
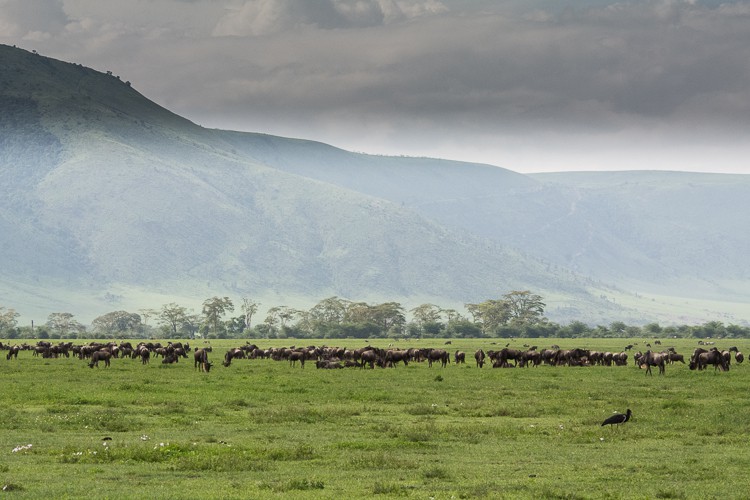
<point>519,313</point>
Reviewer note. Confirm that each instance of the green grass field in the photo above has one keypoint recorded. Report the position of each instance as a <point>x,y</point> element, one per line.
<point>261,429</point>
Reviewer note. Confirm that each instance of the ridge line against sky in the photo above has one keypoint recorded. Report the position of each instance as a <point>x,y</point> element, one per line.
<point>528,85</point>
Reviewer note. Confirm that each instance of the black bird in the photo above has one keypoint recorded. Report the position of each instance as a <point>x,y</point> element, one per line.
<point>618,418</point>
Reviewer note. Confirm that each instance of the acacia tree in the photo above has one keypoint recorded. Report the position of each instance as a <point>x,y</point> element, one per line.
<point>427,319</point>
<point>327,316</point>
<point>172,316</point>
<point>8,319</point>
<point>214,308</point>
<point>191,324</point>
<point>524,307</point>
<point>390,317</point>
<point>272,319</point>
<point>63,323</point>
<point>148,313</point>
<point>490,314</point>
<point>358,312</point>
<point>249,308</point>
<point>117,322</point>
<point>426,313</point>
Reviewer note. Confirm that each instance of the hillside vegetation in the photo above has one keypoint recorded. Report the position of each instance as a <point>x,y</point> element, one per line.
<point>110,201</point>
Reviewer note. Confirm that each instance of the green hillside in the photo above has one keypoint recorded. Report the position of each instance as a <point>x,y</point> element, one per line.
<point>111,202</point>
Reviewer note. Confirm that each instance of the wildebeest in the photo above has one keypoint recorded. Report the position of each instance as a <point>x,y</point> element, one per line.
<point>738,357</point>
<point>13,352</point>
<point>479,357</point>
<point>459,357</point>
<point>97,356</point>
<point>233,354</point>
<point>674,357</point>
<point>169,359</point>
<point>653,359</point>
<point>145,355</point>
<point>393,356</point>
<point>701,358</point>
<point>620,358</point>
<point>369,357</point>
<point>328,364</point>
<point>295,356</point>
<point>500,358</point>
<point>201,360</point>
<point>438,355</point>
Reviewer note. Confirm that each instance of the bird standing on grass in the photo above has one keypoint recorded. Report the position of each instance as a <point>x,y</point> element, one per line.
<point>618,418</point>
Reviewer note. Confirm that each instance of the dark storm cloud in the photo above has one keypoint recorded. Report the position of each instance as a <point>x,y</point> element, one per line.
<point>608,66</point>
<point>478,79</point>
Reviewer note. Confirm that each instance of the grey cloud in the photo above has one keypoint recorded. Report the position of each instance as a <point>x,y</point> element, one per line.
<point>585,70</point>
<point>265,17</point>
<point>32,19</point>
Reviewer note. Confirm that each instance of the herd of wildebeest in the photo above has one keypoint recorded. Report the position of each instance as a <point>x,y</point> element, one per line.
<point>326,357</point>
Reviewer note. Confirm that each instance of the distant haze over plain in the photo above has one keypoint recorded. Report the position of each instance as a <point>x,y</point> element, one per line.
<point>532,85</point>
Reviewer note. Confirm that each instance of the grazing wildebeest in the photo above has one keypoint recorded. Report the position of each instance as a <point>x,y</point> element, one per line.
<point>201,360</point>
<point>702,358</point>
<point>393,356</point>
<point>438,355</point>
<point>459,357</point>
<point>501,357</point>
<point>479,357</point>
<point>97,356</point>
<point>369,357</point>
<point>232,354</point>
<point>13,352</point>
<point>738,357</point>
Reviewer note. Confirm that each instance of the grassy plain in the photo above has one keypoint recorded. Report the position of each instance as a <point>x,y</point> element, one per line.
<point>261,429</point>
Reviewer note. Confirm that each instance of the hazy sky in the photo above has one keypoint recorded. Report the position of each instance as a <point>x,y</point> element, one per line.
<point>529,85</point>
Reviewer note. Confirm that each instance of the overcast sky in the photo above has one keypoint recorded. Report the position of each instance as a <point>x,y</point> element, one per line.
<point>529,85</point>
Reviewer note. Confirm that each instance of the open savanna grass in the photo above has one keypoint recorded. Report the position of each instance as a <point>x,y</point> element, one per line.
<point>262,429</point>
